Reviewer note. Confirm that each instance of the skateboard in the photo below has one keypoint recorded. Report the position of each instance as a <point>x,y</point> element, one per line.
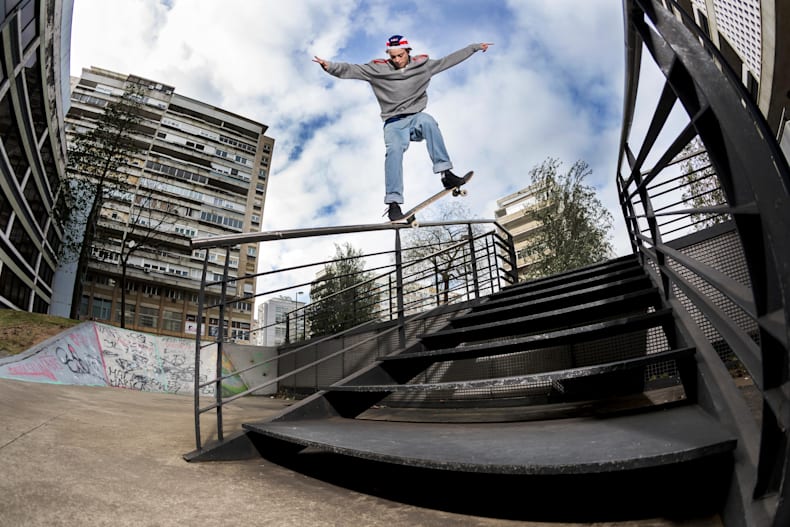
<point>410,215</point>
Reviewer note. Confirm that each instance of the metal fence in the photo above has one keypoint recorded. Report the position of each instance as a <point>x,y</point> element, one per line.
<point>380,303</point>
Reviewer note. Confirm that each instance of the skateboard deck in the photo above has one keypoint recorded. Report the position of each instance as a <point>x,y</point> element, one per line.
<point>410,215</point>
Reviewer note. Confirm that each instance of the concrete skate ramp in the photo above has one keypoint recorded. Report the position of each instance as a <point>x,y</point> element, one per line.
<point>94,354</point>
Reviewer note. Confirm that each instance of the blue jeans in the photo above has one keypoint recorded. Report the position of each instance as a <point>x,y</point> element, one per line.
<point>397,136</point>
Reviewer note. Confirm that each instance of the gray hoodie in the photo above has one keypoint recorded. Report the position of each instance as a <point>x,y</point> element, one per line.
<point>400,91</point>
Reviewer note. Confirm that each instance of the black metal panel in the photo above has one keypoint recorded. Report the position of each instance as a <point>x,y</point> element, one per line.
<point>525,305</point>
<point>576,334</point>
<point>611,307</point>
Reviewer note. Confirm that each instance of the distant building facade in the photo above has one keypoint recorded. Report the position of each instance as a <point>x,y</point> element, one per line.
<point>203,172</point>
<point>34,65</point>
<point>271,328</point>
<point>513,214</point>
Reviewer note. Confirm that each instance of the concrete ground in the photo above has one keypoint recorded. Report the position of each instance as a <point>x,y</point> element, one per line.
<point>83,456</point>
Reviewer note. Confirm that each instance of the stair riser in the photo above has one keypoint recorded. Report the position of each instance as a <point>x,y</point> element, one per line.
<point>513,328</point>
<point>569,277</point>
<point>551,303</point>
<point>504,298</point>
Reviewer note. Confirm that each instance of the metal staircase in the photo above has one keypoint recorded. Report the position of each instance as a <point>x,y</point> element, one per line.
<point>657,384</point>
<point>577,374</point>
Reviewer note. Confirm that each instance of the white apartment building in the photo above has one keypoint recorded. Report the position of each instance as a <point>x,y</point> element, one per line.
<point>203,172</point>
<point>511,213</point>
<point>271,328</point>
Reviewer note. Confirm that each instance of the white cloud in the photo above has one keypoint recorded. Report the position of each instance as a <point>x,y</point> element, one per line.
<point>551,86</point>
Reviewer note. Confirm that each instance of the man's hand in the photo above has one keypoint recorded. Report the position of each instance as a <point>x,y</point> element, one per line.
<point>485,45</point>
<point>324,64</point>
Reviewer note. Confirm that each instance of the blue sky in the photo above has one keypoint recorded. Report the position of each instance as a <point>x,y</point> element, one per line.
<point>551,86</point>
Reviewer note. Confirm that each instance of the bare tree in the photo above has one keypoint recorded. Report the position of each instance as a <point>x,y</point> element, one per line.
<point>147,216</point>
<point>701,188</point>
<point>99,158</point>
<point>443,250</point>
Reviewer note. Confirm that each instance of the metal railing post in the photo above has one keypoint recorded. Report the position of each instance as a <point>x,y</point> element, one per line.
<point>389,295</point>
<point>396,301</point>
<point>473,256</point>
<point>437,285</point>
<point>220,342</point>
<point>511,247</point>
<point>491,259</point>
<point>399,289</point>
<point>198,344</point>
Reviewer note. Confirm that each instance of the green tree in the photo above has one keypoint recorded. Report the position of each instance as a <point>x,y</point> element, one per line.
<point>344,296</point>
<point>573,225</point>
<point>701,188</point>
<point>99,158</point>
<point>443,250</point>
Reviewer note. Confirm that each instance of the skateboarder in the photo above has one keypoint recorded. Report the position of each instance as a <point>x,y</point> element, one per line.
<point>399,84</point>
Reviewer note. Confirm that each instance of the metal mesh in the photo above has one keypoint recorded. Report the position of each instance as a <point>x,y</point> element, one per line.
<point>555,358</point>
<point>725,254</point>
<point>363,351</point>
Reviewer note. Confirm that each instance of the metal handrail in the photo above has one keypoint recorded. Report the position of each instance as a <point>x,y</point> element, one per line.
<point>230,240</point>
<point>471,256</point>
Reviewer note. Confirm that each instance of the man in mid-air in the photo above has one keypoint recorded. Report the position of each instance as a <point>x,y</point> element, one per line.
<point>399,84</point>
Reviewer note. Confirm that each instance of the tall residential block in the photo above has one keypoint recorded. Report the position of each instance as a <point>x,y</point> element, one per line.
<point>202,171</point>
<point>34,63</point>
<point>512,213</point>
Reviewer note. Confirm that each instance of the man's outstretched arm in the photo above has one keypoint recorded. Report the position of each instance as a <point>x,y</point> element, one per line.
<point>324,64</point>
<point>457,57</point>
<point>345,70</point>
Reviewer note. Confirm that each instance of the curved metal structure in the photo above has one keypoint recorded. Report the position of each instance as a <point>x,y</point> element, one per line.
<point>724,311</point>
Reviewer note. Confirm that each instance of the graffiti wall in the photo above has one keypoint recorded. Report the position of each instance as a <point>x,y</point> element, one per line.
<point>152,363</point>
<point>101,355</point>
<point>257,363</point>
<point>69,358</point>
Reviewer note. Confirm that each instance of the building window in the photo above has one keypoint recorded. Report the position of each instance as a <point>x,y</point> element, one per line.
<point>171,321</point>
<point>101,309</point>
<point>240,331</point>
<point>279,314</point>
<point>130,310</point>
<point>13,289</point>
<point>84,306</point>
<point>752,85</point>
<point>148,317</point>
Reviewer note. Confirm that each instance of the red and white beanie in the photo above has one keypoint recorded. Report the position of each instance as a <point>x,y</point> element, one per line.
<point>397,42</point>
